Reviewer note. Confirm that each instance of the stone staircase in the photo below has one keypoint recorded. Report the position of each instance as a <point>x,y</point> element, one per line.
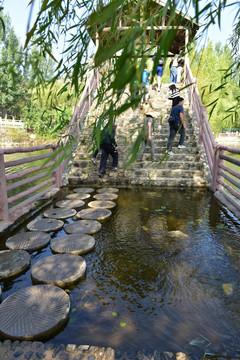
<point>183,169</point>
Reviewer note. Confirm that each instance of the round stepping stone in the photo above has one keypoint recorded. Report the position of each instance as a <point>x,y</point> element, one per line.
<point>94,214</point>
<point>83,190</point>
<point>105,196</point>
<point>83,227</point>
<point>107,190</point>
<point>59,213</point>
<point>13,262</point>
<point>73,244</point>
<point>102,204</point>
<point>61,270</point>
<point>34,312</point>
<point>72,204</point>
<point>45,225</point>
<point>78,196</point>
<point>31,241</point>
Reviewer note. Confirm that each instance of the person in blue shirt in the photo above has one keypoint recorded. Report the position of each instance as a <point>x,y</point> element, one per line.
<point>176,124</point>
<point>159,73</point>
<point>145,86</point>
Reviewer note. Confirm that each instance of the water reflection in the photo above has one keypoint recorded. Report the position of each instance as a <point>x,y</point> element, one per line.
<point>164,276</point>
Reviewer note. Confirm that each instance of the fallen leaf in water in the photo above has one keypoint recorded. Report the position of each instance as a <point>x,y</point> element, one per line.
<point>67,291</point>
<point>122,324</point>
<point>87,305</point>
<point>228,288</point>
<point>145,228</point>
<point>221,226</point>
<point>72,320</point>
<point>114,314</point>
<point>196,342</point>
<point>73,310</point>
<point>144,208</point>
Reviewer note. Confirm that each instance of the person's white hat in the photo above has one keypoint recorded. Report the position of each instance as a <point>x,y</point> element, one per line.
<point>149,111</point>
<point>115,124</point>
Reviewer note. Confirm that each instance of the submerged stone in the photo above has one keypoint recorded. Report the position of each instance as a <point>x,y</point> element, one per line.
<point>61,270</point>
<point>31,241</point>
<point>84,227</point>
<point>94,214</point>
<point>39,311</point>
<point>73,244</point>
<point>178,234</point>
<point>45,225</point>
<point>13,262</point>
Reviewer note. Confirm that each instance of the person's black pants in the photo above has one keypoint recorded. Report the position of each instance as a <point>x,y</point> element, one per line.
<point>173,131</point>
<point>106,151</point>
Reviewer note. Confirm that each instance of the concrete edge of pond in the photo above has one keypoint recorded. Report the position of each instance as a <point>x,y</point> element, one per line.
<point>38,350</point>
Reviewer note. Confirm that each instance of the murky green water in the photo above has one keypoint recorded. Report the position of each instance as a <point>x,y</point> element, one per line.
<point>148,287</point>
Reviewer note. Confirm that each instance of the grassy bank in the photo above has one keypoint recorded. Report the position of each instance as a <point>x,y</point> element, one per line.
<point>18,137</point>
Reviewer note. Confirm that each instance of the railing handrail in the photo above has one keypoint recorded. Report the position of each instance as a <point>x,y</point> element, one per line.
<point>214,151</point>
<point>27,149</point>
<point>55,179</point>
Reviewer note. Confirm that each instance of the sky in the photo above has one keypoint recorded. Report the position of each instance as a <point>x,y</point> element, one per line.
<point>19,12</point>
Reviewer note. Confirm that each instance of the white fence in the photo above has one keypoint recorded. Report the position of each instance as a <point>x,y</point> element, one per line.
<point>11,123</point>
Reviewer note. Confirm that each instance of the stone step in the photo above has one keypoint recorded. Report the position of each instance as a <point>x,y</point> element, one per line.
<point>166,164</point>
<point>159,145</point>
<point>159,151</point>
<point>160,182</point>
<point>147,171</point>
<point>183,169</point>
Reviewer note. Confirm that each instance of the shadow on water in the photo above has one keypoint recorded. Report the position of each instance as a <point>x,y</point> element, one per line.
<point>164,275</point>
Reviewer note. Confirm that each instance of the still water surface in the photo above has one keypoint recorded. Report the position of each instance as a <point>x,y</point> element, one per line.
<point>148,288</point>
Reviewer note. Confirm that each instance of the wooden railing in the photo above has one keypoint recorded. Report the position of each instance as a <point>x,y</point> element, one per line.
<point>9,182</point>
<point>215,152</point>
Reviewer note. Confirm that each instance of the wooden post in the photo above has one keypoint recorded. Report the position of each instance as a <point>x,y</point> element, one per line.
<point>57,172</point>
<point>186,55</point>
<point>4,214</point>
<point>216,159</point>
<point>89,93</point>
<point>203,116</point>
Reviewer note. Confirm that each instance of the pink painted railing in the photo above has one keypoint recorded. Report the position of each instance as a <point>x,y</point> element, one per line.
<point>7,184</point>
<point>55,177</point>
<point>215,152</point>
<point>77,122</point>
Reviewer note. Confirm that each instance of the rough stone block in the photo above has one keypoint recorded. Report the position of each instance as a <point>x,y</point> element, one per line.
<point>71,347</point>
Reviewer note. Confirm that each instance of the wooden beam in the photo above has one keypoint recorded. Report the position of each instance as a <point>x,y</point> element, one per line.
<point>148,28</point>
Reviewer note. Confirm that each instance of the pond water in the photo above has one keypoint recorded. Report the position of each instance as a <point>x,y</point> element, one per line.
<point>150,288</point>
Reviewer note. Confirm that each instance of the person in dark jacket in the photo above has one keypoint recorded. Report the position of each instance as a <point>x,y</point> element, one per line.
<point>176,124</point>
<point>109,147</point>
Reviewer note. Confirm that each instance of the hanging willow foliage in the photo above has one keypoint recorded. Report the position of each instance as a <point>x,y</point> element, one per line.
<point>73,25</point>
